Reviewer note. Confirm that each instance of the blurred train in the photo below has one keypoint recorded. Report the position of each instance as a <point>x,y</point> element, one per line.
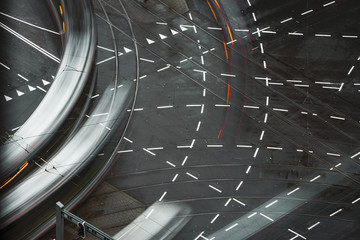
<point>61,110</point>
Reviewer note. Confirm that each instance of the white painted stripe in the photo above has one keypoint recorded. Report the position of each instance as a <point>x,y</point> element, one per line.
<point>104,48</point>
<point>239,202</point>
<point>350,36</point>
<point>222,105</point>
<point>184,161</point>
<point>238,187</point>
<point>286,20</point>
<point>256,152</point>
<point>248,106</point>
<point>333,154</point>
<point>4,66</point>
<point>291,192</point>
<point>214,28</point>
<point>41,88</point>
<point>296,33</point>
<point>23,77</point>
<point>329,3</point>
<point>336,212</point>
<point>189,174</point>
<point>309,11</point>
<point>125,151</point>
<point>297,234</point>
<point>352,68</point>
<point>339,118</point>
<point>162,107</point>
<point>155,148</point>
<point>318,176</point>
<point>30,24</point>
<point>231,227</point>
<point>147,60</point>
<point>128,140</point>
<point>105,60</point>
<point>244,146</point>
<point>171,164</point>
<point>162,196</point>
<point>266,217</point>
<point>198,126</point>
<point>175,177</point>
<point>280,110</point>
<point>272,203</point>
<point>149,152</point>
<point>322,35</point>
<point>227,75</point>
<point>27,41</point>
<point>148,215</point>
<point>162,69</point>
<point>275,148</point>
<point>218,190</point>
<point>314,225</point>
<point>213,220</point>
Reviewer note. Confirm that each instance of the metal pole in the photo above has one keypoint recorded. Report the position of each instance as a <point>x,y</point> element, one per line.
<point>59,221</point>
<point>62,214</point>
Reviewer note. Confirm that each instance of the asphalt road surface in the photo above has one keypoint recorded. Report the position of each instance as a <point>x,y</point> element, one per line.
<point>247,112</point>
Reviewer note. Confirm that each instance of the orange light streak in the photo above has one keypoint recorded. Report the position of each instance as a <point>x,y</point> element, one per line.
<point>10,179</point>
<point>212,10</point>
<point>219,133</point>
<point>61,11</point>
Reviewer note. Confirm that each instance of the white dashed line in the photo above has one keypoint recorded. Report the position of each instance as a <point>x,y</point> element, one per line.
<point>338,118</point>
<point>286,20</point>
<point>272,203</point>
<point>171,164</point>
<point>162,107</point>
<point>238,186</point>
<point>291,192</point>
<point>336,212</point>
<point>218,190</point>
<point>314,225</point>
<point>125,151</point>
<point>256,152</point>
<point>162,196</point>
<point>309,11</point>
<point>189,174</point>
<point>318,176</point>
<point>149,152</point>
<point>175,177</point>
<point>329,3</point>
<point>147,60</point>
<point>244,146</point>
<point>4,66</point>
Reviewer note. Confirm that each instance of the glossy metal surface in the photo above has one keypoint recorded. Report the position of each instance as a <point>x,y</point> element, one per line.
<point>60,100</point>
<point>74,155</point>
<point>159,221</point>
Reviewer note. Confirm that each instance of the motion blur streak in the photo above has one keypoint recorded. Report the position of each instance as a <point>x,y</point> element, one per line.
<point>72,76</point>
<point>159,221</point>
<point>10,179</point>
<point>72,158</point>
